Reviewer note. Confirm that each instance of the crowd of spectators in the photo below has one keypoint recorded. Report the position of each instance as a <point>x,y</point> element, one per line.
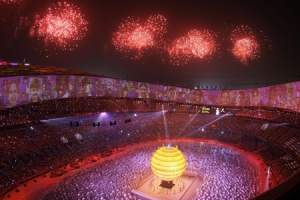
<point>237,179</point>
<point>271,114</point>
<point>30,147</point>
<point>85,106</point>
<point>88,105</point>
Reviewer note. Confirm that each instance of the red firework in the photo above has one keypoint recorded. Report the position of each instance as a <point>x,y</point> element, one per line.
<point>195,44</point>
<point>10,1</point>
<point>202,43</point>
<point>134,37</point>
<point>245,44</point>
<point>157,24</point>
<point>62,25</point>
<point>180,52</point>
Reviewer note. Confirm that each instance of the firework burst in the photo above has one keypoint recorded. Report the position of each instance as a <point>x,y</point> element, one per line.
<point>157,24</point>
<point>245,45</point>
<point>135,37</point>
<point>195,44</point>
<point>62,26</point>
<point>10,1</point>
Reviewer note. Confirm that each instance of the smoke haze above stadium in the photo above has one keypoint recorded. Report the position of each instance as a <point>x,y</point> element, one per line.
<point>232,44</point>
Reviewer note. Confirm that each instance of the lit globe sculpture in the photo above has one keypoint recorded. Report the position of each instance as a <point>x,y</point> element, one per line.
<point>168,163</point>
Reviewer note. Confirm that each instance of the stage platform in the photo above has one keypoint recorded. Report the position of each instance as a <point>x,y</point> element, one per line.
<point>184,188</point>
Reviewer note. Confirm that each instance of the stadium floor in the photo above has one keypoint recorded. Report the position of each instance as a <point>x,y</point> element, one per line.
<point>37,187</point>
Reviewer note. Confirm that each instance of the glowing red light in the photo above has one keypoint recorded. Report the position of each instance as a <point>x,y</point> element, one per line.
<point>62,25</point>
<point>245,44</point>
<point>195,44</point>
<point>202,43</point>
<point>157,24</point>
<point>134,37</point>
<point>10,1</point>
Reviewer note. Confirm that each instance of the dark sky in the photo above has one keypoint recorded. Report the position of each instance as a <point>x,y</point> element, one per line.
<point>279,21</point>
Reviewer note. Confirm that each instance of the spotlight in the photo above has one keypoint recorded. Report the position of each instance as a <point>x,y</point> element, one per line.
<point>64,139</point>
<point>78,136</point>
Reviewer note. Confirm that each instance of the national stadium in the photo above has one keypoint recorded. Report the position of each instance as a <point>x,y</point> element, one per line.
<point>67,134</point>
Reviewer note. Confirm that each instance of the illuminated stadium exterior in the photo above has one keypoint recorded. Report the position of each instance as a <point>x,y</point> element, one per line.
<point>46,86</point>
<point>271,113</point>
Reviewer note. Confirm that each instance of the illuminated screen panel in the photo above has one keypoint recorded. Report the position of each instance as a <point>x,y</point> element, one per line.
<point>26,89</point>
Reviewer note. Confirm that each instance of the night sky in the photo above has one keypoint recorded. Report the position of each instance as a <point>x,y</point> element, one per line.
<point>278,63</point>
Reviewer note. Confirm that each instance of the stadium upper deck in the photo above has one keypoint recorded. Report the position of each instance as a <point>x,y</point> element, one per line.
<point>28,84</point>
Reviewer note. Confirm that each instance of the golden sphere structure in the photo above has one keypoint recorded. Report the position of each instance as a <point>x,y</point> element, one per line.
<point>168,163</point>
